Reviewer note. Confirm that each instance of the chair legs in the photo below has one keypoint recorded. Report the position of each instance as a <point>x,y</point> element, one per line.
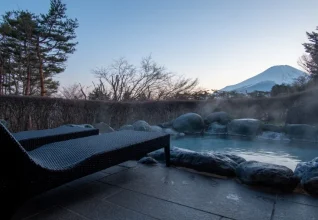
<point>7,215</point>
<point>167,155</point>
<point>10,207</point>
<point>11,200</point>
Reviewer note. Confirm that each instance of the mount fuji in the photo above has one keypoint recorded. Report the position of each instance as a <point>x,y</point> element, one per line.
<point>267,79</point>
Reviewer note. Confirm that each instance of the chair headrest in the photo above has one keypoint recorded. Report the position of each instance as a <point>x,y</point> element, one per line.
<point>8,141</point>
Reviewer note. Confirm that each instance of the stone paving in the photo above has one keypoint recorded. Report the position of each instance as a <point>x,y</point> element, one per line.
<point>135,191</point>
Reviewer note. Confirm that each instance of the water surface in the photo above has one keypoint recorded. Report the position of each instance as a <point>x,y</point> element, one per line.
<point>277,152</point>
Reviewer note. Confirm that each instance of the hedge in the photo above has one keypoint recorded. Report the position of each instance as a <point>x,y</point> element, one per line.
<point>29,113</point>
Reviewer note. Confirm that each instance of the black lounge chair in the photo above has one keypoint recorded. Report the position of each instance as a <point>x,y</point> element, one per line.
<point>25,174</point>
<point>31,140</point>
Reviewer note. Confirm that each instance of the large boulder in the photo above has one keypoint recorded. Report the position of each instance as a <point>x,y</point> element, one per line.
<point>304,170</point>
<point>301,132</point>
<point>265,174</point>
<point>215,163</point>
<point>174,151</point>
<point>141,126</point>
<point>272,128</point>
<point>211,163</point>
<point>222,118</point>
<point>189,123</point>
<point>126,127</point>
<point>307,172</point>
<point>245,126</point>
<point>216,128</point>
<point>147,161</point>
<point>311,186</point>
<point>80,125</point>
<point>103,127</point>
<point>167,124</point>
<point>158,155</point>
<point>155,128</point>
<point>173,132</point>
<point>235,158</point>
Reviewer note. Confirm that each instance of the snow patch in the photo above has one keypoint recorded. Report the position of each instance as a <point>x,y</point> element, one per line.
<point>274,75</point>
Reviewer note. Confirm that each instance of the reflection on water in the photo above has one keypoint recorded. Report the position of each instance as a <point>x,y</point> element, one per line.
<point>276,152</point>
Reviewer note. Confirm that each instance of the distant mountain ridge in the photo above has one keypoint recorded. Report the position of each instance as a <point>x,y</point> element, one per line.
<point>267,79</point>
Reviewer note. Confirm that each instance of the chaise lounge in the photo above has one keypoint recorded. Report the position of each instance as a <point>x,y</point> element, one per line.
<point>31,140</point>
<point>25,174</point>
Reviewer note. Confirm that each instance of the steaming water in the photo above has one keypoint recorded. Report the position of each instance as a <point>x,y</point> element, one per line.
<point>260,149</point>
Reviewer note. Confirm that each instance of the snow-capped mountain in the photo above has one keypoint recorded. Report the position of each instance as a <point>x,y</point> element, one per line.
<point>267,79</point>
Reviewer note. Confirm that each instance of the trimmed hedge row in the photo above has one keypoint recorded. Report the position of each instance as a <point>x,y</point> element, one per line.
<point>28,113</point>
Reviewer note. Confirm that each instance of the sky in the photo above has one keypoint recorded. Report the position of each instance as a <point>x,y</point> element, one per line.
<point>220,42</point>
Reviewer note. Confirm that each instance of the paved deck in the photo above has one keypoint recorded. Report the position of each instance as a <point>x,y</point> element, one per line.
<point>133,191</point>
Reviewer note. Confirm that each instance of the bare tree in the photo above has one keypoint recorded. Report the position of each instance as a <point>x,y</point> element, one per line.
<point>301,83</point>
<point>74,91</point>
<point>177,86</point>
<point>123,81</point>
<point>308,63</point>
<point>99,92</point>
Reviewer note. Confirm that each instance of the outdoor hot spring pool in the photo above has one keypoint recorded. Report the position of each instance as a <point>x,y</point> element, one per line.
<point>284,153</point>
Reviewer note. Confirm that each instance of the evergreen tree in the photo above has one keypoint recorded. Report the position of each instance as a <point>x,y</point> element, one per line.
<point>34,48</point>
<point>310,61</point>
<point>16,51</point>
<point>54,41</point>
<point>282,89</point>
